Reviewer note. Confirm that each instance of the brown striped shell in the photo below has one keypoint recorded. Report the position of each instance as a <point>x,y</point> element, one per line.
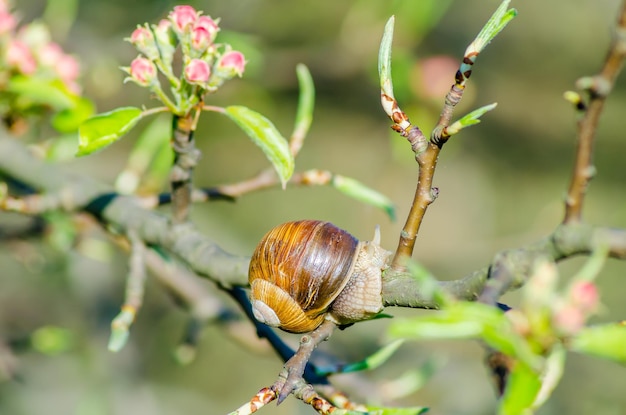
<point>306,271</point>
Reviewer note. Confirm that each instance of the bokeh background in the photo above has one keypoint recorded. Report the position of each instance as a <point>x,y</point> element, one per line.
<point>501,185</point>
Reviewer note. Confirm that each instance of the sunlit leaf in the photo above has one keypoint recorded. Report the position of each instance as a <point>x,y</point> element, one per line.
<point>498,21</point>
<point>104,129</point>
<point>265,135</point>
<point>521,391</point>
<point>69,120</point>
<point>467,320</point>
<point>41,92</point>
<point>470,119</point>
<point>606,340</point>
<point>369,363</point>
<point>361,192</point>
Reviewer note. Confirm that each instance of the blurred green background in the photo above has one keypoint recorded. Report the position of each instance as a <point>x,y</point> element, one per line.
<point>501,185</point>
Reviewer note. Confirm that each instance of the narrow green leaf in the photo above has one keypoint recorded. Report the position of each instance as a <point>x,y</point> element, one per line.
<point>592,267</point>
<point>265,135</point>
<point>104,129</point>
<point>607,341</point>
<point>498,21</point>
<point>369,363</point>
<point>467,320</point>
<point>522,388</point>
<point>306,101</point>
<point>359,191</point>
<point>384,58</point>
<point>416,410</point>
<point>469,119</point>
<point>149,143</point>
<point>120,330</point>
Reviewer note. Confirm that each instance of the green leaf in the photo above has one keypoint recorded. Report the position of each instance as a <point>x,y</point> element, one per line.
<point>52,340</point>
<point>384,58</point>
<point>38,91</point>
<point>306,101</point>
<point>104,129</point>
<point>416,410</point>
<point>607,341</point>
<point>369,363</point>
<point>359,191</point>
<point>69,120</point>
<point>498,21</point>
<point>265,135</point>
<point>470,119</point>
<point>522,388</point>
<point>147,146</point>
<point>467,320</point>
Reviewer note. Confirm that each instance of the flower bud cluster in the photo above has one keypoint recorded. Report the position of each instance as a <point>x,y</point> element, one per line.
<point>205,64</point>
<point>548,313</point>
<point>29,51</point>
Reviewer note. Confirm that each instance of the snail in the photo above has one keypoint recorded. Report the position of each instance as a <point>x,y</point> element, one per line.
<point>304,272</point>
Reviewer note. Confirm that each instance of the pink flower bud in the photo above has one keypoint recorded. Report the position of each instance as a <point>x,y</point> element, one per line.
<point>584,294</point>
<point>197,72</point>
<point>19,56</point>
<point>143,39</point>
<point>209,24</point>
<point>142,71</point>
<point>183,17</point>
<point>568,319</point>
<point>7,22</point>
<point>231,63</point>
<point>200,40</point>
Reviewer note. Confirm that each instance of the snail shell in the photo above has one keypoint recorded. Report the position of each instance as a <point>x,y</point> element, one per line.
<point>306,271</point>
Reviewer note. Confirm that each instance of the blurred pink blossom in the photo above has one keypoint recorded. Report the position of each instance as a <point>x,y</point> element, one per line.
<point>19,56</point>
<point>50,54</point>
<point>584,294</point>
<point>8,22</point>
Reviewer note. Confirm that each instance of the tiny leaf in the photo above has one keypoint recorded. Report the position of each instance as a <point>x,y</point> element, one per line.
<point>149,143</point>
<point>104,129</point>
<point>384,58</point>
<point>359,191</point>
<point>265,135</point>
<point>469,119</point>
<point>416,410</point>
<point>500,18</point>
<point>369,363</point>
<point>306,101</point>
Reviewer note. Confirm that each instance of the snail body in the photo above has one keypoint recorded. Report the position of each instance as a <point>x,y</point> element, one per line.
<point>304,272</point>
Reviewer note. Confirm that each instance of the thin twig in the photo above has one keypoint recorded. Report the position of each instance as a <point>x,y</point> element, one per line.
<point>598,87</point>
<point>294,368</point>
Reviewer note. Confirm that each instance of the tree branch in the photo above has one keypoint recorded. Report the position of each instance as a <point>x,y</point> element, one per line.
<point>598,86</point>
